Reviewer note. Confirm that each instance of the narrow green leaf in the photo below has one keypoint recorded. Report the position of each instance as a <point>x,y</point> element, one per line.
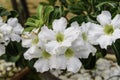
<point>40,11</point>
<point>30,24</point>
<point>47,11</point>
<point>28,29</point>
<point>116,48</point>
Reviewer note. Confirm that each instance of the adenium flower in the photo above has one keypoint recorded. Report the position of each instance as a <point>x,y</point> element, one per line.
<point>36,49</point>
<point>59,38</point>
<point>4,29</point>
<point>109,29</point>
<point>16,31</point>
<point>83,45</point>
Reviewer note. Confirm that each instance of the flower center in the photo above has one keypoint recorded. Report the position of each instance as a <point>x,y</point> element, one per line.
<point>45,54</point>
<point>69,53</point>
<point>59,37</point>
<point>84,36</point>
<point>35,40</point>
<point>108,29</point>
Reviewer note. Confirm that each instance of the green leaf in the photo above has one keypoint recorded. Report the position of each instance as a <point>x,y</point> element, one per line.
<point>79,19</point>
<point>4,12</point>
<point>52,2</point>
<point>64,2</point>
<point>28,29</point>
<point>116,49</point>
<point>111,4</point>
<point>89,63</point>
<point>30,24</point>
<point>47,11</point>
<point>40,11</point>
<point>13,14</point>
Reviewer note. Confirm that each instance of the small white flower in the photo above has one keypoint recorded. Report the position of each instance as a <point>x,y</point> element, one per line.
<point>110,29</point>
<point>83,45</point>
<point>59,38</point>
<point>17,29</point>
<point>30,38</point>
<point>37,49</point>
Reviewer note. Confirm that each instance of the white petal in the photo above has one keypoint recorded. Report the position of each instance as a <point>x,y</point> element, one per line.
<point>26,42</point>
<point>12,21</point>
<point>71,33</point>
<point>59,25</point>
<point>66,43</point>
<point>32,52</point>
<point>51,47</point>
<point>18,29</point>
<point>6,29</point>
<point>83,51</point>
<point>62,62</point>
<point>75,24</point>
<point>73,64</point>
<point>116,35</point>
<point>15,37</point>
<point>104,18</point>
<point>41,65</point>
<point>94,32</point>
<point>53,61</point>
<point>46,34</point>
<point>2,49</point>
<point>57,62</point>
<point>104,41</point>
<point>116,21</point>
<point>92,49</point>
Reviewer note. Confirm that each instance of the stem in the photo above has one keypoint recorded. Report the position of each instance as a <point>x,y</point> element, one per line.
<point>22,73</point>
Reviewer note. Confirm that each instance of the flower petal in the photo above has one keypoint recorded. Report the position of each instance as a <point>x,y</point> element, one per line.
<point>73,64</point>
<point>116,35</point>
<point>94,32</point>
<point>12,21</point>
<point>59,25</point>
<point>18,29</point>
<point>104,18</point>
<point>15,37</point>
<point>6,29</point>
<point>71,33</point>
<point>51,47</point>
<point>2,49</point>
<point>46,34</point>
<point>53,61</point>
<point>75,24</point>
<point>26,42</point>
<point>83,51</point>
<point>104,41</point>
<point>116,21</point>
<point>33,52</point>
<point>41,65</point>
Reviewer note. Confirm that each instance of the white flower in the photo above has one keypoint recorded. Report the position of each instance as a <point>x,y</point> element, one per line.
<point>30,39</point>
<point>37,49</point>
<point>59,38</point>
<point>73,63</point>
<point>17,29</point>
<point>83,45</point>
<point>110,29</point>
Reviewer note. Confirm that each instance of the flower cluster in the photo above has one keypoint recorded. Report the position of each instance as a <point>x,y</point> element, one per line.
<point>62,46</point>
<point>9,31</point>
